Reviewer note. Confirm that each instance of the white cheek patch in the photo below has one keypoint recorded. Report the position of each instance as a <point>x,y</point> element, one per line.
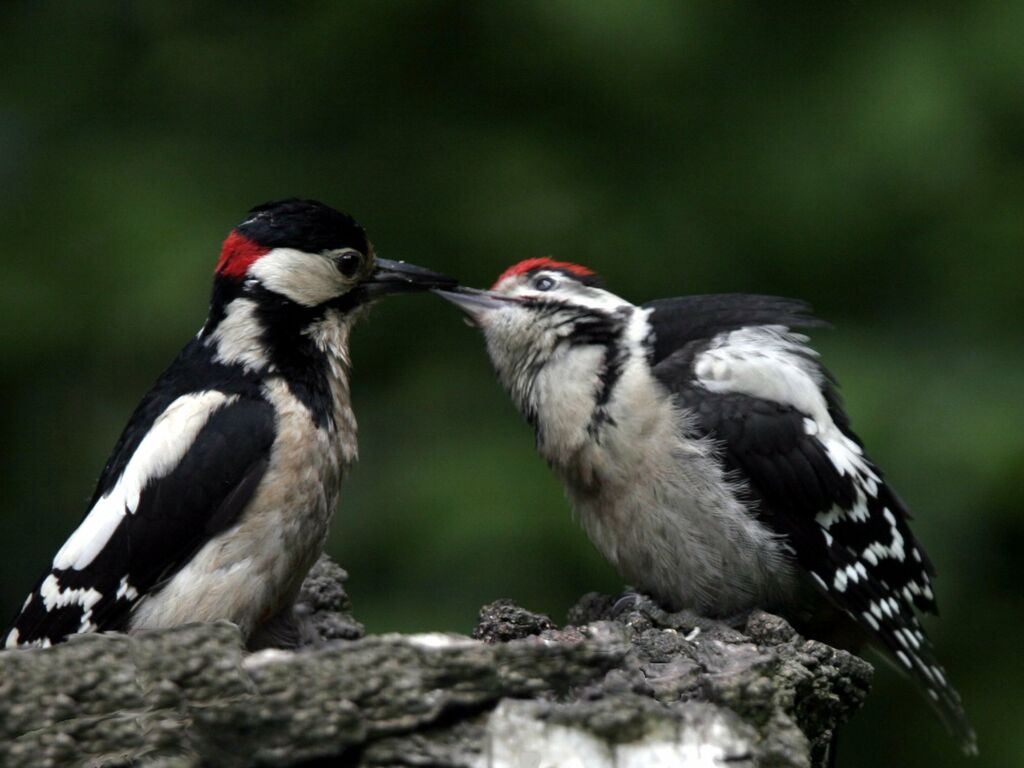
<point>170,437</point>
<point>304,278</point>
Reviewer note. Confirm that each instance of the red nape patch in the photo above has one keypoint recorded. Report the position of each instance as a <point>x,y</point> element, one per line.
<point>530,265</point>
<point>237,254</point>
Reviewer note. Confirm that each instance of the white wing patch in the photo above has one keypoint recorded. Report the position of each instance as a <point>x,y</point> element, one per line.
<point>767,362</point>
<point>172,434</point>
<point>770,363</point>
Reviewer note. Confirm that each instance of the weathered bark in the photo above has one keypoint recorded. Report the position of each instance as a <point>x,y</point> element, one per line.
<point>628,690</point>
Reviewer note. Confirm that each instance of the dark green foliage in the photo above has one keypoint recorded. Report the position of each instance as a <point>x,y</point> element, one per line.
<point>866,158</point>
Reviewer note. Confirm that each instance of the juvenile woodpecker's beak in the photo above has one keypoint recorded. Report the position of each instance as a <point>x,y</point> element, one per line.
<point>474,302</point>
<point>399,277</point>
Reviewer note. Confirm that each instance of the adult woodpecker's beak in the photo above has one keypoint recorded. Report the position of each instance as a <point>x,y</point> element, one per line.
<point>474,302</point>
<point>399,277</point>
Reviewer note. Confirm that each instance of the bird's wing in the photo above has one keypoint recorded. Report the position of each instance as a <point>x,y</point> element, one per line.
<point>684,321</point>
<point>760,394</point>
<point>182,472</point>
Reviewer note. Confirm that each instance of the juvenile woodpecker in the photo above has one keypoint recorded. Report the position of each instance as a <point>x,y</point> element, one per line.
<point>706,452</point>
<point>216,500</point>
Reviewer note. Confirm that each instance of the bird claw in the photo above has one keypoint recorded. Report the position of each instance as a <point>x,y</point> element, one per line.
<point>624,604</point>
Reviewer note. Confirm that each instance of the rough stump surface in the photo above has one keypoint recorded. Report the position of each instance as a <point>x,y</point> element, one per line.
<point>618,686</point>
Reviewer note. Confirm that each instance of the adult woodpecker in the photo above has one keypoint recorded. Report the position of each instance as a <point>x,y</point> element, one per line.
<point>216,500</point>
<point>707,454</point>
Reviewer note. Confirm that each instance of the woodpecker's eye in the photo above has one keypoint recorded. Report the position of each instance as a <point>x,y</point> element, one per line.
<point>544,283</point>
<point>349,262</point>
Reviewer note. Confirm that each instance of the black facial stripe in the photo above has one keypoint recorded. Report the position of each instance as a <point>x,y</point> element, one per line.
<point>615,356</point>
<point>290,350</point>
<point>589,327</point>
<point>293,353</point>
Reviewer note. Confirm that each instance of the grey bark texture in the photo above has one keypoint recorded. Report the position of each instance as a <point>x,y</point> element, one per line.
<point>623,685</point>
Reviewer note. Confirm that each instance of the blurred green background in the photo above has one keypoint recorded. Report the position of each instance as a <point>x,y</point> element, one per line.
<point>868,158</point>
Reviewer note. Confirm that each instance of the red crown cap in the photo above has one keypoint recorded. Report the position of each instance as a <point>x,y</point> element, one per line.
<point>543,262</point>
<point>237,254</point>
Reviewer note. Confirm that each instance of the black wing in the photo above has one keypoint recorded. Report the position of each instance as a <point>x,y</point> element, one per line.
<point>846,528</point>
<point>176,513</point>
<point>689,321</point>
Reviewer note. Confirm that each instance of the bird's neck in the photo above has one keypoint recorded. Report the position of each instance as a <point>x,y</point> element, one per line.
<point>236,335</point>
<point>590,393</point>
<point>564,382</point>
<point>563,399</point>
<point>272,338</point>
<point>329,335</point>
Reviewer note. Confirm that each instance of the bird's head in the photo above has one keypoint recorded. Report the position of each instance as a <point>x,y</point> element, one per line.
<point>538,305</point>
<point>550,321</point>
<point>291,279</point>
<point>305,253</point>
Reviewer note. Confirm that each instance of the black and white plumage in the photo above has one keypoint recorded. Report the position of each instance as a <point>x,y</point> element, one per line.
<point>706,452</point>
<point>216,499</point>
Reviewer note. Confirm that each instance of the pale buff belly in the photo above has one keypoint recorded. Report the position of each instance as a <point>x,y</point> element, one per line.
<point>251,572</point>
<point>667,519</point>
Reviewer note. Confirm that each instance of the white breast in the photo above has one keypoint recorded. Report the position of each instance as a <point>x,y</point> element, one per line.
<point>658,506</point>
<point>253,571</point>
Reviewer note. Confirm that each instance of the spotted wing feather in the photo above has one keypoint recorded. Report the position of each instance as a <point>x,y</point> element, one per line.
<point>805,472</point>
